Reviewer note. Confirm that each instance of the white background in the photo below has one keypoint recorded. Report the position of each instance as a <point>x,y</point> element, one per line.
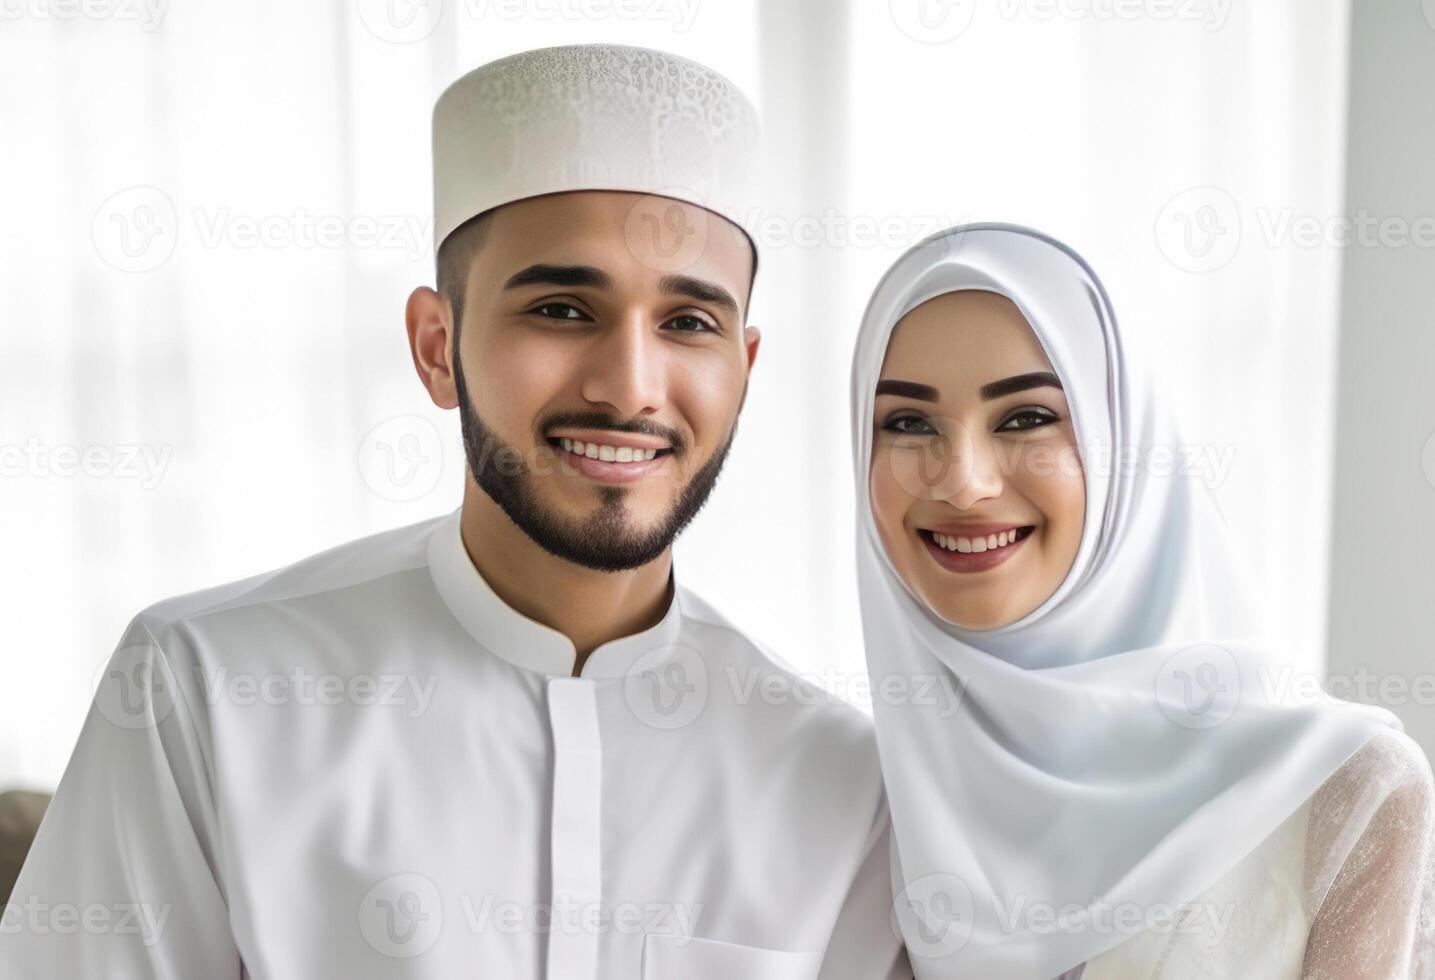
<point>265,378</point>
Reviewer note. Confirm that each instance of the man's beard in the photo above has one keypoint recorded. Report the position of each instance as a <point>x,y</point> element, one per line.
<point>604,540</point>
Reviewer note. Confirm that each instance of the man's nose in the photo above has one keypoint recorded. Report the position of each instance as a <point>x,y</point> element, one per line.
<point>628,369</point>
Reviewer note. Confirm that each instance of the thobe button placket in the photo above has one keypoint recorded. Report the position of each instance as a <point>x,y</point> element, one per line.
<point>576,838</point>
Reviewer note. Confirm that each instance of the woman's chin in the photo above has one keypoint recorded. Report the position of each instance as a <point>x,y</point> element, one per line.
<point>976,613</point>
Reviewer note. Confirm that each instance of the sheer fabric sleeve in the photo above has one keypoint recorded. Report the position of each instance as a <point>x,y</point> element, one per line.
<point>1370,867</point>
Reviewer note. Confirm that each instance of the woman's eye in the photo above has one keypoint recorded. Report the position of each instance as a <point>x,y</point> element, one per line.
<point>559,311</point>
<point>1027,418</point>
<point>910,425</point>
<point>688,323</point>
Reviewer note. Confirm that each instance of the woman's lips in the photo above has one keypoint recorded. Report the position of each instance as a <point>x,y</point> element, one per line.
<point>974,561</point>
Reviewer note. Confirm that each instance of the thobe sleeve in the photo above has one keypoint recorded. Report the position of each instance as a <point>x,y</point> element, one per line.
<point>120,882</point>
<point>1371,858</point>
<point>865,944</point>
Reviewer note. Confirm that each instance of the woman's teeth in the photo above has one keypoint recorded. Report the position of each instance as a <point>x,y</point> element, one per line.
<point>968,545</point>
<point>612,454</point>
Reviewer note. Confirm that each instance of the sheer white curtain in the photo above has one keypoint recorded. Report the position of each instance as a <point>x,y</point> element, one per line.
<point>214,213</point>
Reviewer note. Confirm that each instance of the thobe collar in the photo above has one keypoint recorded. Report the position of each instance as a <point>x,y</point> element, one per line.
<point>528,644</point>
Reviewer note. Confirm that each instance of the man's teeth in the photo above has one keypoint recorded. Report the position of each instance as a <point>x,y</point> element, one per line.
<point>970,545</point>
<point>612,454</point>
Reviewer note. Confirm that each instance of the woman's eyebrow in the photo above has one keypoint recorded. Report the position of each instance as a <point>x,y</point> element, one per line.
<point>907,389</point>
<point>1019,382</point>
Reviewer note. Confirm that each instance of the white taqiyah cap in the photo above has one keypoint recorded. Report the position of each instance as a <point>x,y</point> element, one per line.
<point>592,117</point>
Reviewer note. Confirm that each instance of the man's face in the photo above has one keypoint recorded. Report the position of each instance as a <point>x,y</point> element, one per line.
<point>599,382</point>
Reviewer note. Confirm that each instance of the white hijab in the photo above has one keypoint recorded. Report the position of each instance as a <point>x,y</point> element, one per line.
<point>1120,748</point>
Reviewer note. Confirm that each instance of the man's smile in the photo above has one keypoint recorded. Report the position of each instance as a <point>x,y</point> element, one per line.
<point>612,457</point>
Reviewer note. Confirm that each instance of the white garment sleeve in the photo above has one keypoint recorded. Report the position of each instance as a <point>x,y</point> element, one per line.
<point>1371,867</point>
<point>865,944</point>
<point>121,882</point>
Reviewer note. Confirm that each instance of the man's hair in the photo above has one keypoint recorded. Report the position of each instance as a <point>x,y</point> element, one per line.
<point>455,258</point>
<point>457,251</point>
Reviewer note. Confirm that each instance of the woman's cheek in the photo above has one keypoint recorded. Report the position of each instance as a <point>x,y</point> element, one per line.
<point>1061,498</point>
<point>880,486</point>
<point>890,501</point>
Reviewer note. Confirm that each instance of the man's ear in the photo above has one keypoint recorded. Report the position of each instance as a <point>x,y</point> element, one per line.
<point>751,337</point>
<point>429,319</point>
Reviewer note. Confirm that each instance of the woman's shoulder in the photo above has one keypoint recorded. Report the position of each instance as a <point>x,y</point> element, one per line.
<point>1388,771</point>
<point>1369,864</point>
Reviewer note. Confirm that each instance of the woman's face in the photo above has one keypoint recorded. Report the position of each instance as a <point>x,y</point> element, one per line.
<point>976,482</point>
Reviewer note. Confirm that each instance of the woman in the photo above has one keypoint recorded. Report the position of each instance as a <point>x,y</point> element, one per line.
<point>1127,784</point>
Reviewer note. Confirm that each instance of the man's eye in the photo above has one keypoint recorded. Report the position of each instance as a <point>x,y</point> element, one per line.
<point>910,425</point>
<point>688,323</point>
<point>1027,418</point>
<point>559,311</point>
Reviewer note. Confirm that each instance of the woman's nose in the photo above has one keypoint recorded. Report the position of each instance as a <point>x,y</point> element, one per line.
<point>970,471</point>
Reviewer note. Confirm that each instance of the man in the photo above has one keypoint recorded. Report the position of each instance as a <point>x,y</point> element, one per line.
<point>503,742</point>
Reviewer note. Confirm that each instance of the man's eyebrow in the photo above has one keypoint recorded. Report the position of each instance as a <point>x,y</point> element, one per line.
<point>1020,382</point>
<point>907,389</point>
<point>559,275</point>
<point>698,289</point>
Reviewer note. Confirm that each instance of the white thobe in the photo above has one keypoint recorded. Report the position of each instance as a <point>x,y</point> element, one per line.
<point>366,764</point>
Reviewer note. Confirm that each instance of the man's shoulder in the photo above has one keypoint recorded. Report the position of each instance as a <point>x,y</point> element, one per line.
<point>755,674</point>
<point>350,565</point>
<point>786,720</point>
